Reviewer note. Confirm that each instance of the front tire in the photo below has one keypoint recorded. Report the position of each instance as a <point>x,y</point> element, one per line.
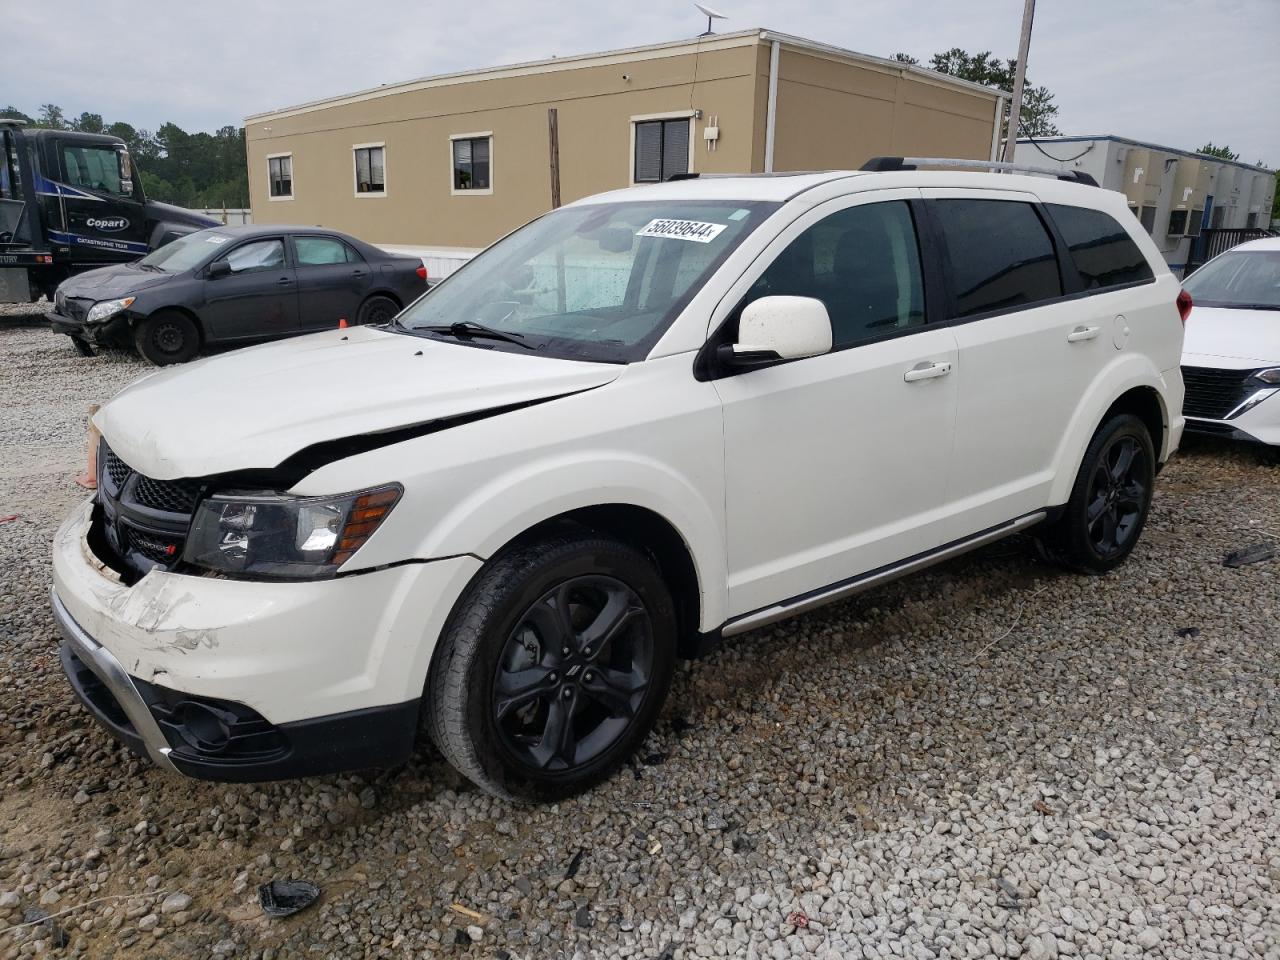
<point>553,667</point>
<point>167,337</point>
<point>1110,500</point>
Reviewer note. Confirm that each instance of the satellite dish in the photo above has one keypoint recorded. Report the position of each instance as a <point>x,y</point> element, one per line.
<point>710,15</point>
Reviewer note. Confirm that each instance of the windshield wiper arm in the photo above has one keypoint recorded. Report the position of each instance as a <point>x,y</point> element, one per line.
<point>150,266</point>
<point>469,328</point>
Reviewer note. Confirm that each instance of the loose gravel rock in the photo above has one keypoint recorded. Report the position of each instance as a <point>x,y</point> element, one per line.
<point>993,759</point>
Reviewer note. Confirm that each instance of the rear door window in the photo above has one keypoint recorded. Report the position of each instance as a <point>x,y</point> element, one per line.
<point>319,251</point>
<point>1103,252</point>
<point>1001,255</point>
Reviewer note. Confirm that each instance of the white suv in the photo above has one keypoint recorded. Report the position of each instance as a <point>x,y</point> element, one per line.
<point>643,422</point>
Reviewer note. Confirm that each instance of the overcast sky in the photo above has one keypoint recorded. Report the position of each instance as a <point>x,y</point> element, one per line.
<point>1176,72</point>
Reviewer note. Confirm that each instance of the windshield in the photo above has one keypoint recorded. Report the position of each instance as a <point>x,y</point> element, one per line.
<point>1243,279</point>
<point>185,252</point>
<point>599,282</point>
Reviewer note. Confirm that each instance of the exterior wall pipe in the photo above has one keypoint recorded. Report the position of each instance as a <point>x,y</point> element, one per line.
<point>771,111</point>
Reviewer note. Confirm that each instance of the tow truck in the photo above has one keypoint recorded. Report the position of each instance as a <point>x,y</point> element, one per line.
<point>70,202</point>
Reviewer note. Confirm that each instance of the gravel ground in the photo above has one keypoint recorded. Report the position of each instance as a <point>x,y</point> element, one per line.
<point>993,759</point>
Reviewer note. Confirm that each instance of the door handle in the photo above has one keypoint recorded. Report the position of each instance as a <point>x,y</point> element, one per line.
<point>284,281</point>
<point>1083,333</point>
<point>927,370</point>
<point>357,273</point>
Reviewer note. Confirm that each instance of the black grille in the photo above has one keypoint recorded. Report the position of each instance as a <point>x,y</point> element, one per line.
<point>116,468</point>
<point>144,521</point>
<point>174,496</point>
<point>1213,393</point>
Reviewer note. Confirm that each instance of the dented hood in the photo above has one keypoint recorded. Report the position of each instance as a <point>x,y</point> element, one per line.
<point>254,408</point>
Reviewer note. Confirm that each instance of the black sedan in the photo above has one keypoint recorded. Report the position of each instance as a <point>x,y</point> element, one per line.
<point>235,285</point>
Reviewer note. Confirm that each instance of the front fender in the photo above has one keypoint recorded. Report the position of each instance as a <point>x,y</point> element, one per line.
<point>1126,372</point>
<point>498,511</point>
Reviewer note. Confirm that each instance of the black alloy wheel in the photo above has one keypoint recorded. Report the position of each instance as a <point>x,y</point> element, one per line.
<point>572,675</point>
<point>553,665</point>
<point>1102,520</point>
<point>1118,496</point>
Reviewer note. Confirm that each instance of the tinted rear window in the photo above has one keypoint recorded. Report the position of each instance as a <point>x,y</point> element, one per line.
<point>1103,252</point>
<point>1001,255</point>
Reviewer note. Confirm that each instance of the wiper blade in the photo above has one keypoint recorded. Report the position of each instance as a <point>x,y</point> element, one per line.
<point>463,329</point>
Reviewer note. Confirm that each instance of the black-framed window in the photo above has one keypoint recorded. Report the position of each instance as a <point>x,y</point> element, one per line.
<point>1102,250</point>
<point>662,150</point>
<point>473,163</point>
<point>101,169</point>
<point>1177,223</point>
<point>322,251</point>
<point>1000,252</point>
<point>863,263</point>
<point>1195,223</point>
<point>280,173</point>
<point>371,170</point>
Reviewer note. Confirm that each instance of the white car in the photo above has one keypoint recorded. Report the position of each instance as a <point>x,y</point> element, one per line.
<point>1231,357</point>
<point>641,423</point>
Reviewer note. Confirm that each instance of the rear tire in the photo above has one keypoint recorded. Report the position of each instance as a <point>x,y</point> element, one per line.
<point>553,667</point>
<point>377,309</point>
<point>167,337</point>
<point>1110,500</point>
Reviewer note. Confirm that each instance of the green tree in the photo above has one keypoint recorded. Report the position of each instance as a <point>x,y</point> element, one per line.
<point>905,58</point>
<point>51,116</point>
<point>88,123</point>
<point>1222,153</point>
<point>13,113</point>
<point>1036,117</point>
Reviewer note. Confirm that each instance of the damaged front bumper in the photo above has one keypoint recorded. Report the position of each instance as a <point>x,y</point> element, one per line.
<point>248,681</point>
<point>112,330</point>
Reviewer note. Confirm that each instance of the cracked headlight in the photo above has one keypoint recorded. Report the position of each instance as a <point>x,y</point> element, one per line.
<point>275,535</point>
<point>107,308</point>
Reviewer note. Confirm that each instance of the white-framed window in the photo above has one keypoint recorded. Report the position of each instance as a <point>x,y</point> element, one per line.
<point>661,146</point>
<point>280,176</point>
<point>471,163</point>
<point>370,161</point>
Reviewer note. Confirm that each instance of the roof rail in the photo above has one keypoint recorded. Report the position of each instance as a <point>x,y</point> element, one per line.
<point>14,121</point>
<point>884,164</point>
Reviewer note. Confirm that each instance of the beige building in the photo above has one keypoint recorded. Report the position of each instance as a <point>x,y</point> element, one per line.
<point>459,160</point>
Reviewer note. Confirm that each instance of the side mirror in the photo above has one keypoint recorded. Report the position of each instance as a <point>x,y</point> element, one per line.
<point>219,268</point>
<point>779,328</point>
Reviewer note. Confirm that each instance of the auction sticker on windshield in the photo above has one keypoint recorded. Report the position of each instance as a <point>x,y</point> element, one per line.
<point>693,230</point>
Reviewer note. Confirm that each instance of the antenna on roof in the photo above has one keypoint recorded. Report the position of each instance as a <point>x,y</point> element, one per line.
<point>710,15</point>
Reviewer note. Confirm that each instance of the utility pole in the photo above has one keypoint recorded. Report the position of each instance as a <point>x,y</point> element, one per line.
<point>1019,79</point>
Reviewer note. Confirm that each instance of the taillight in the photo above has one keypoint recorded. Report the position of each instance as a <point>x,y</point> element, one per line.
<point>1184,305</point>
<point>422,272</point>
